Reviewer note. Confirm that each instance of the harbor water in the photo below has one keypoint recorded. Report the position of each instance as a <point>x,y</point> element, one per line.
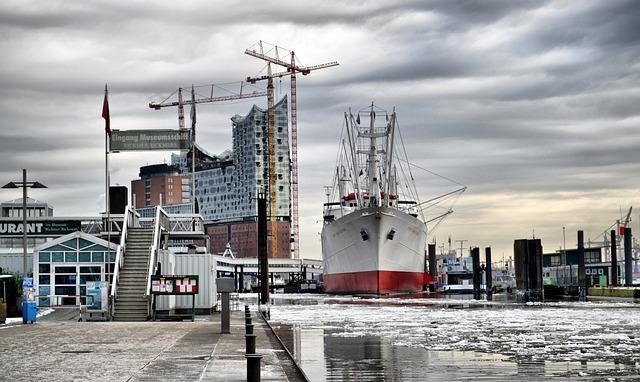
<point>418,339</point>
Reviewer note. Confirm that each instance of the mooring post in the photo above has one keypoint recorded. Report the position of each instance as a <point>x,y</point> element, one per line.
<point>433,266</point>
<point>487,273</point>
<point>253,367</point>
<point>475,257</point>
<point>582,275</point>
<point>628,265</point>
<point>614,259</point>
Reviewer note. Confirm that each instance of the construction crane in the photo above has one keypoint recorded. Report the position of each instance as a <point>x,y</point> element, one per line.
<point>230,91</point>
<point>291,69</point>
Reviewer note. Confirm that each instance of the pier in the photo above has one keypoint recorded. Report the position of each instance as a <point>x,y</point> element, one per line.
<point>58,347</point>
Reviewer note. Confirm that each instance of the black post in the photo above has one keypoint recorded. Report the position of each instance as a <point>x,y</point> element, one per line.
<point>433,266</point>
<point>241,278</point>
<point>262,249</point>
<point>253,367</point>
<point>582,276</point>
<point>475,256</point>
<point>487,274</point>
<point>628,266</point>
<point>614,259</point>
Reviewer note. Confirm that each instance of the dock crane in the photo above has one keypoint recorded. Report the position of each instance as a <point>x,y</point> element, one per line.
<point>291,69</point>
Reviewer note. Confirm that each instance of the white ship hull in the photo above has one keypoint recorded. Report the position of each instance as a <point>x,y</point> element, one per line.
<point>374,250</point>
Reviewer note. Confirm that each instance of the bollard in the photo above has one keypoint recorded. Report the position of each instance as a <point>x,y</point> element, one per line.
<point>249,328</point>
<point>251,343</point>
<point>247,319</point>
<point>253,367</point>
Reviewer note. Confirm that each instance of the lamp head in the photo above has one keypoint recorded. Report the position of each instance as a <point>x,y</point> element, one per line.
<point>38,185</point>
<point>10,185</point>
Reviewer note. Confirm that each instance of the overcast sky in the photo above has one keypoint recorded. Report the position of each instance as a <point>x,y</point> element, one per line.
<point>534,105</point>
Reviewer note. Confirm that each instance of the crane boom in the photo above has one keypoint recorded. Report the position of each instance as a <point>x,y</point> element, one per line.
<point>230,96</point>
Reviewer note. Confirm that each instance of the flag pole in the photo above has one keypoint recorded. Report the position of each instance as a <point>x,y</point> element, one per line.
<point>107,132</point>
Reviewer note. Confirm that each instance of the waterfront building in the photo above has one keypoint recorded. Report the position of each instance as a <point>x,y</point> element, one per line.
<point>160,184</point>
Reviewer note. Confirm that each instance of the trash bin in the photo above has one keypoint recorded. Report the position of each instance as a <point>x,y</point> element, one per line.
<point>29,312</point>
<point>3,311</point>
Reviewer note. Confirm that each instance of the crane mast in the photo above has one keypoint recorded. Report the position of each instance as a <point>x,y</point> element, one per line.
<point>291,69</point>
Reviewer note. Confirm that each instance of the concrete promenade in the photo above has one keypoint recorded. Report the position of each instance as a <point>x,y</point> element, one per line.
<point>58,348</point>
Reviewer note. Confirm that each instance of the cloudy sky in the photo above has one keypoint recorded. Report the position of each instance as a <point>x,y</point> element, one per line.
<point>534,105</point>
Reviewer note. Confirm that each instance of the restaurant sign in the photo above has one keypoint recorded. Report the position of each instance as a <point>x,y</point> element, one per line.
<point>40,228</point>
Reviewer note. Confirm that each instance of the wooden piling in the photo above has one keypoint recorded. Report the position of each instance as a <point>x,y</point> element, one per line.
<point>528,267</point>
<point>475,257</point>
<point>487,273</point>
<point>628,260</point>
<point>614,259</point>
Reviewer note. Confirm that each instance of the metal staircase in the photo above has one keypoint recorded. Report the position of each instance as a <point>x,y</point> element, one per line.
<point>132,303</point>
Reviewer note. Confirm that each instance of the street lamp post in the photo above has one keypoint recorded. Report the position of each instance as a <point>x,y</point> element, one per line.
<point>24,185</point>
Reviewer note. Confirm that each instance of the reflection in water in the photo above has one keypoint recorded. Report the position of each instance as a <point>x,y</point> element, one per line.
<point>373,339</point>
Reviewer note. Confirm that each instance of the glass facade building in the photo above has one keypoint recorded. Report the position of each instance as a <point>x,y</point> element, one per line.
<point>63,266</point>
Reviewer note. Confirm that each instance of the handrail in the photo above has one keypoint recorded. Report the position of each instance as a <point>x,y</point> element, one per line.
<point>161,223</point>
<point>131,218</point>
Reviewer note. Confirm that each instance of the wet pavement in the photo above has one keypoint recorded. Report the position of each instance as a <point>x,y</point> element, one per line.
<point>59,348</point>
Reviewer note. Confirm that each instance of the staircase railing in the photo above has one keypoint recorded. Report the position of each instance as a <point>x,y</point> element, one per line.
<point>161,223</point>
<point>131,219</point>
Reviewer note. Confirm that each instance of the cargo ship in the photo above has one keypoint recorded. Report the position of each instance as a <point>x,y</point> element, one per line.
<point>373,237</point>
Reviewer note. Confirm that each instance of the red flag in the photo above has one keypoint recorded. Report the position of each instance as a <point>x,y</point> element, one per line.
<point>105,113</point>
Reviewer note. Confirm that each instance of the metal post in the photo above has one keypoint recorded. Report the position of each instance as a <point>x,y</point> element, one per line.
<point>614,259</point>
<point>226,315</point>
<point>488,275</point>
<point>628,266</point>
<point>582,277</point>
<point>24,222</point>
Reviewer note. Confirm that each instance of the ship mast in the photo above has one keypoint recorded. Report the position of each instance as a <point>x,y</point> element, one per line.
<point>389,179</point>
<point>374,186</point>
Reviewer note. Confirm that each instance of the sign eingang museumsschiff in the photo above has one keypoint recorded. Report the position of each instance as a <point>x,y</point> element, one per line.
<point>149,140</point>
<point>42,228</point>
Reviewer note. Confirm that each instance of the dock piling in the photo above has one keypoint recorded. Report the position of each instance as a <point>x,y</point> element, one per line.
<point>528,267</point>
<point>433,269</point>
<point>614,259</point>
<point>488,276</point>
<point>582,277</point>
<point>475,256</point>
<point>628,260</point>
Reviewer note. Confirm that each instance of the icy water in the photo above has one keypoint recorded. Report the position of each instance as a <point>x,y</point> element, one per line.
<point>369,339</point>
